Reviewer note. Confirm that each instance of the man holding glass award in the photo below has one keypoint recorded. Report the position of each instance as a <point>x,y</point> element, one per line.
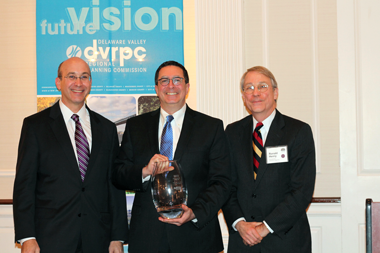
<point>198,145</point>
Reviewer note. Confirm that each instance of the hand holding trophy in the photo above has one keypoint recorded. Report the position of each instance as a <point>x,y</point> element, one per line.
<point>169,190</point>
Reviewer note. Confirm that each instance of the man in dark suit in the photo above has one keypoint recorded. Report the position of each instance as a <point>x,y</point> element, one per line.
<point>273,176</point>
<point>63,199</point>
<point>200,146</point>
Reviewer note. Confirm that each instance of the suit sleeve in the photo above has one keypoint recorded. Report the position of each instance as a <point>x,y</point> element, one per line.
<point>232,210</point>
<point>25,183</point>
<point>117,200</point>
<point>211,200</point>
<point>303,169</point>
<point>127,175</point>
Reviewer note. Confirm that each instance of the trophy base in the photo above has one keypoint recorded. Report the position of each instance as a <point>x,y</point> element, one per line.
<point>172,212</point>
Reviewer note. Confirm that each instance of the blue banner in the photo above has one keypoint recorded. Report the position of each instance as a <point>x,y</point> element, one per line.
<point>122,41</point>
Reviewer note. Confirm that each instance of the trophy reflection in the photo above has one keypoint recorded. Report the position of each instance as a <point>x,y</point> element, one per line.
<point>169,190</point>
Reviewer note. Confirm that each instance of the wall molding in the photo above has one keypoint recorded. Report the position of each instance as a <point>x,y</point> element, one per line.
<point>322,209</point>
<point>316,235</point>
<point>315,69</point>
<point>219,50</point>
<point>362,169</point>
<point>264,7</point>
<point>7,173</point>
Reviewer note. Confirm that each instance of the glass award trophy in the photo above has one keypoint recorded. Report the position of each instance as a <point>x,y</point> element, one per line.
<point>169,190</point>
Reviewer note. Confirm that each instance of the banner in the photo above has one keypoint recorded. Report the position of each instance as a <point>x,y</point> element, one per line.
<point>122,41</point>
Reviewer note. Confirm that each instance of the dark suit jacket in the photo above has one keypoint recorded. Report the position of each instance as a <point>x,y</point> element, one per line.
<point>202,152</point>
<point>50,201</point>
<point>281,192</point>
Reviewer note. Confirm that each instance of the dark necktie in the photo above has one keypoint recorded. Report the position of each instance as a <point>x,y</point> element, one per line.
<point>166,147</point>
<point>83,149</point>
<point>257,147</point>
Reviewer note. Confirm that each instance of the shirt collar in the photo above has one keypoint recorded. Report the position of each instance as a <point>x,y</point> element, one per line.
<point>67,113</point>
<point>178,115</point>
<point>266,122</point>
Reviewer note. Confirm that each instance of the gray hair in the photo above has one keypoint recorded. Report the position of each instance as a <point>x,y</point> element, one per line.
<point>262,70</point>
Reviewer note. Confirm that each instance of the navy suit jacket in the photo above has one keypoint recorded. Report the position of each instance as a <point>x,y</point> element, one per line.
<point>50,201</point>
<point>202,152</point>
<point>282,191</point>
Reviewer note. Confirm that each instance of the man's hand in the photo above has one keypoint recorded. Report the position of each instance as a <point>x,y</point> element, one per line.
<point>30,246</point>
<point>116,247</point>
<point>187,216</point>
<point>157,164</point>
<point>248,232</point>
<point>262,230</point>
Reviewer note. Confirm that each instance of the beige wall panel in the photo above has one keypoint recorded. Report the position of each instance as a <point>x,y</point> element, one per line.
<point>328,102</point>
<point>297,41</point>
<point>18,85</point>
<point>190,50</point>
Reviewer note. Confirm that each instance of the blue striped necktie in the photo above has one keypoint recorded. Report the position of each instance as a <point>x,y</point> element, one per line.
<point>166,147</point>
<point>83,149</point>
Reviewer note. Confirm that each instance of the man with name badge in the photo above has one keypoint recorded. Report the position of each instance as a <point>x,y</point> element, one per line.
<point>199,145</point>
<point>273,173</point>
<point>63,198</point>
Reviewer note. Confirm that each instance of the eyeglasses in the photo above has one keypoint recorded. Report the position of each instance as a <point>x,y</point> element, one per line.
<point>250,88</point>
<point>165,81</point>
<point>83,78</point>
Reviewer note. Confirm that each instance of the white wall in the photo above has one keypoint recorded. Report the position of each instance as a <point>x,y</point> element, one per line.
<point>7,244</point>
<point>324,221</point>
<point>359,64</point>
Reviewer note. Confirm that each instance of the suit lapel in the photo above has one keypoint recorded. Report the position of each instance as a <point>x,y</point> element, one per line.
<point>186,132</point>
<point>246,141</point>
<point>275,134</point>
<point>58,126</point>
<point>153,132</point>
<point>96,144</point>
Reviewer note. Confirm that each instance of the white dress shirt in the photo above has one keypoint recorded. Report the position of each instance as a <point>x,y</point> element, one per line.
<point>84,119</point>
<point>176,124</point>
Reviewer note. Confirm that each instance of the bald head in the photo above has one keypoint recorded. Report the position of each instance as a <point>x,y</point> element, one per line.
<point>69,61</point>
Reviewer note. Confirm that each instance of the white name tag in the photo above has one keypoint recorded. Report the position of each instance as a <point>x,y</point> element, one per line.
<point>277,154</point>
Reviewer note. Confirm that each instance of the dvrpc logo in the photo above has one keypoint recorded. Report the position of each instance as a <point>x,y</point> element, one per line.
<point>73,51</point>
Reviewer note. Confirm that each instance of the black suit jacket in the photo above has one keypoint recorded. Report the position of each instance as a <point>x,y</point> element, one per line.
<point>202,152</point>
<point>50,201</point>
<point>282,191</point>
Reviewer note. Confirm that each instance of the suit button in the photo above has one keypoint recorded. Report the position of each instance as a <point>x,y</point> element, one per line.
<point>79,215</point>
<point>82,189</point>
<point>254,196</point>
<point>253,217</point>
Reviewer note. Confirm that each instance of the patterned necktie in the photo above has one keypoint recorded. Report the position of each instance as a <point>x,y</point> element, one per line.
<point>83,149</point>
<point>257,147</point>
<point>166,147</point>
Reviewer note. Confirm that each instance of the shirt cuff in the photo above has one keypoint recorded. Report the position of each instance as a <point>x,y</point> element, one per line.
<point>146,179</point>
<point>26,239</point>
<point>236,222</point>
<point>270,230</point>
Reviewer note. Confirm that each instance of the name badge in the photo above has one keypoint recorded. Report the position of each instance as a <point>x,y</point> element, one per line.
<point>277,154</point>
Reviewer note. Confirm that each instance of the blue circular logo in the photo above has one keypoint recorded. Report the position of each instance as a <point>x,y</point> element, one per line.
<point>73,51</point>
